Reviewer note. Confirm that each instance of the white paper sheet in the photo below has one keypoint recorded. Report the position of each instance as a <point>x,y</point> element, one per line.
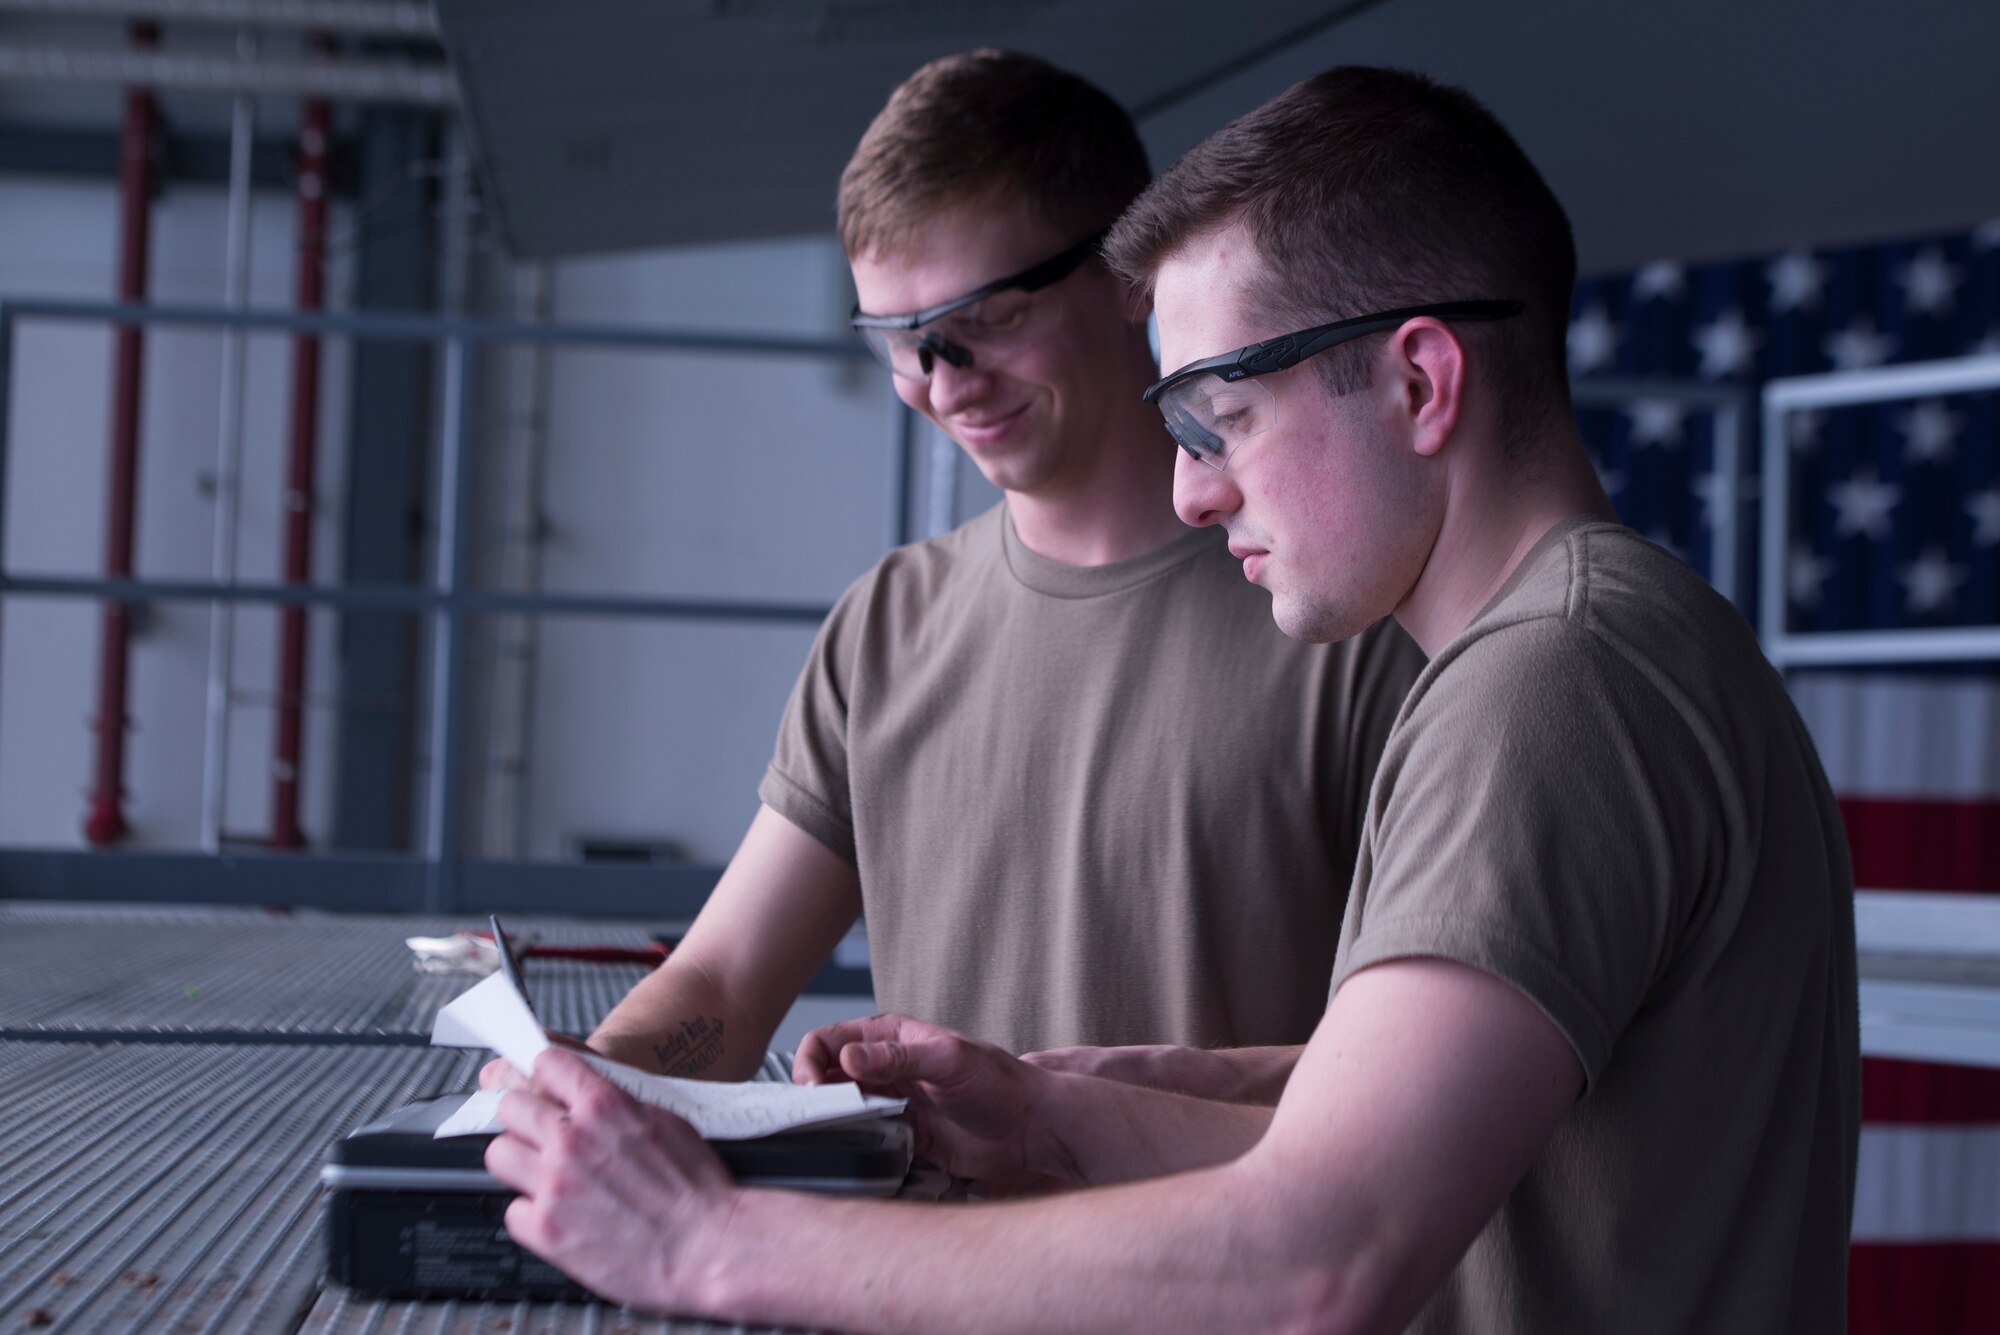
<point>493,1015</point>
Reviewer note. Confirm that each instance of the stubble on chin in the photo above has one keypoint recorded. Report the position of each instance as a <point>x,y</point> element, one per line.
<point>1312,620</point>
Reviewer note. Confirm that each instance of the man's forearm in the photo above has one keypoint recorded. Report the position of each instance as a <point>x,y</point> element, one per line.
<point>1092,1131</point>
<point>1201,1251</point>
<point>678,1022</point>
<point>773,917</point>
<point>1250,1075</point>
<point>1228,1075</point>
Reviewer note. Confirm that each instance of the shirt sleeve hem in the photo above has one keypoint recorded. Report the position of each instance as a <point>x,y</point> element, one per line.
<point>795,803</point>
<point>1500,954</point>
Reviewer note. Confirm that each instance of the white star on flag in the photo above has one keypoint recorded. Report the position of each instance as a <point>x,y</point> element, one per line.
<point>1858,346</point>
<point>1796,279</point>
<point>1656,422</point>
<point>1708,490</point>
<point>1930,583</point>
<point>1805,572</point>
<point>1988,346</point>
<point>1930,432</point>
<point>1862,504</point>
<point>1727,345</point>
<point>1984,507</point>
<point>1661,278</point>
<point>1929,282</point>
<point>1593,340</point>
<point>1986,236</point>
<point>1802,429</point>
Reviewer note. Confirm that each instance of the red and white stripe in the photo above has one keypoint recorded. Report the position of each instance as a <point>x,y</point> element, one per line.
<point>1915,763</point>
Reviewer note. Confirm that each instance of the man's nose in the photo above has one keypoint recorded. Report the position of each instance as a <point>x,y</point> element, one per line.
<point>953,387</point>
<point>1202,495</point>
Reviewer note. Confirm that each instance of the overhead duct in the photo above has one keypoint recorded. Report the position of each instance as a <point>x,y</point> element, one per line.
<point>379,81</point>
<point>351,18</point>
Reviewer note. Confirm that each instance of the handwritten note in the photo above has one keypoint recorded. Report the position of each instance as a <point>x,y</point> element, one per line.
<point>493,1015</point>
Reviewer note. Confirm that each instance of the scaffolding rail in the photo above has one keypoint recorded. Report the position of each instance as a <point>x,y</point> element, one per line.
<point>440,867</point>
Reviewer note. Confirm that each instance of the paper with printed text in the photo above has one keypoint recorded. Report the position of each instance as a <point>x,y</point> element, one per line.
<point>493,1015</point>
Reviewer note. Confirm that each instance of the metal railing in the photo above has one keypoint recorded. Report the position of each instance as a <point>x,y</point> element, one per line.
<point>447,601</point>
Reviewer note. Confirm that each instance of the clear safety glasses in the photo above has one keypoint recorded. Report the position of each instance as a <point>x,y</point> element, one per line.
<point>1216,404</point>
<point>986,327</point>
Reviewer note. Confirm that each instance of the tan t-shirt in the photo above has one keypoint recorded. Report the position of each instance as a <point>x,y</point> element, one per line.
<point>1600,793</point>
<point>1107,804</point>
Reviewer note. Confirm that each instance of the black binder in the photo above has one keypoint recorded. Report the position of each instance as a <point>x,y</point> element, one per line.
<point>410,1216</point>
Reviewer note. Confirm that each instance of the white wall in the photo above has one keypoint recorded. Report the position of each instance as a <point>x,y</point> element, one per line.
<point>62,242</point>
<point>667,475</point>
<point>693,476</point>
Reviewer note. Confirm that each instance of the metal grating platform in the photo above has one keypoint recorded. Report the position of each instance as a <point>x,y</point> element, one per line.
<point>211,974</point>
<point>170,1081</point>
<point>175,1188</point>
<point>335,1312</point>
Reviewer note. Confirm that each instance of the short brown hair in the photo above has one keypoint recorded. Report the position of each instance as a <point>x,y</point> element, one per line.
<point>1368,189</point>
<point>987,124</point>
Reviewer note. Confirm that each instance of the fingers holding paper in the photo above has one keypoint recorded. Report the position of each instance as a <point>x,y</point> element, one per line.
<point>500,1073</point>
<point>612,1192</point>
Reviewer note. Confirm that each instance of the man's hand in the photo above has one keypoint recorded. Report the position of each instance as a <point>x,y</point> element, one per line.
<point>612,1192</point>
<point>500,1073</point>
<point>975,1108</point>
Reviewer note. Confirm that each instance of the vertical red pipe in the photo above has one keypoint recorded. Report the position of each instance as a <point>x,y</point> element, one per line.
<point>105,821</point>
<point>314,129</point>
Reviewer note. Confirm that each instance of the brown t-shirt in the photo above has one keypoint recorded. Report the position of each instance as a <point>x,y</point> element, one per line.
<point>1600,793</point>
<point>1105,804</point>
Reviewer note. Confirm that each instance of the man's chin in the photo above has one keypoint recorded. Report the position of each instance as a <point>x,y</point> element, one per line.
<point>1312,621</point>
<point>1021,471</point>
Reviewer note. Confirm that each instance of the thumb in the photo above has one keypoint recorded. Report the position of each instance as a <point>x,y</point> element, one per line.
<point>937,1062</point>
<point>874,1062</point>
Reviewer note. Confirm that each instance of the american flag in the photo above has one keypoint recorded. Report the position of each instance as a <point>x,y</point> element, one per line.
<point>1895,520</point>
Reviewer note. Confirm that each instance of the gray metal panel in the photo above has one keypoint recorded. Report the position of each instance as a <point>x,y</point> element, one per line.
<point>75,969</point>
<point>387,429</point>
<point>602,124</point>
<point>176,1188</point>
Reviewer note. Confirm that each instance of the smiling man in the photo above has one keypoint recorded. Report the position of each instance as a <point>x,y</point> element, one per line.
<point>1590,1058</point>
<point>989,749</point>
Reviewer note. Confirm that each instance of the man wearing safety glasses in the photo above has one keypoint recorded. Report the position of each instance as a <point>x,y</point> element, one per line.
<point>989,749</point>
<point>1590,1059</point>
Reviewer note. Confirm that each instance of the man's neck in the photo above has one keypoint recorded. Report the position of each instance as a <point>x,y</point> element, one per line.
<point>1493,519</point>
<point>1118,505</point>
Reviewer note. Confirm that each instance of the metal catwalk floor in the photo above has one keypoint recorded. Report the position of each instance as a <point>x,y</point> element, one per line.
<point>169,1082</point>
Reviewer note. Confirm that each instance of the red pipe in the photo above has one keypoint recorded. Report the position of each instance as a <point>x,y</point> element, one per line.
<point>315,126</point>
<point>105,821</point>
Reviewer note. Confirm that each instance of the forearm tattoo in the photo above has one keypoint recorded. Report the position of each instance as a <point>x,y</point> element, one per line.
<point>694,1049</point>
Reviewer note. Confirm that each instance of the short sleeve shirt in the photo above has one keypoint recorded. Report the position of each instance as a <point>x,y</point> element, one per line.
<point>1600,793</point>
<point>1106,804</point>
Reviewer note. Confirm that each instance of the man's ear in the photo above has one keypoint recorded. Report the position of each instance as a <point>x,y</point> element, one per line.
<point>1429,365</point>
